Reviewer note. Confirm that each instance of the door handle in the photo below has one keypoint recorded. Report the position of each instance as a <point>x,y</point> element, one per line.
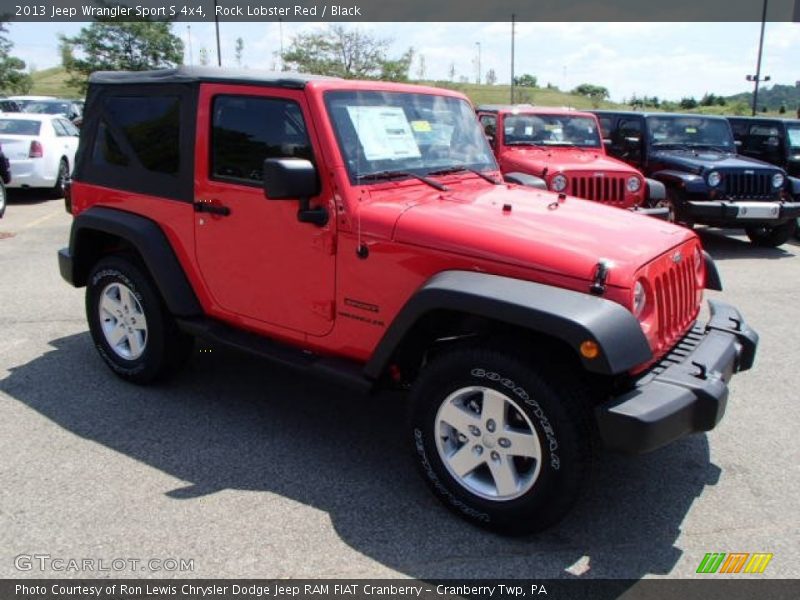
<point>203,206</point>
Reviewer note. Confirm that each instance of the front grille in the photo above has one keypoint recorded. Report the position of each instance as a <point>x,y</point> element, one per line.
<point>748,185</point>
<point>602,189</point>
<point>676,296</point>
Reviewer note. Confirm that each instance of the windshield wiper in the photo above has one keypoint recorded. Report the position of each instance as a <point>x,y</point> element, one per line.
<point>386,175</point>
<point>537,144</point>
<point>714,147</point>
<point>480,174</point>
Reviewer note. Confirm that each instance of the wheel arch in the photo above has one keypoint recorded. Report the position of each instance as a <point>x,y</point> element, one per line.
<point>463,303</point>
<point>100,231</point>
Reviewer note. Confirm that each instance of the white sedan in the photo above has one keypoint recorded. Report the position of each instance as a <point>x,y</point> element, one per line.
<point>40,148</point>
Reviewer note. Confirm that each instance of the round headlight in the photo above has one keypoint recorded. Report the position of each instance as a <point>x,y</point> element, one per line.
<point>634,184</point>
<point>777,180</point>
<point>714,178</point>
<point>639,299</point>
<point>558,183</point>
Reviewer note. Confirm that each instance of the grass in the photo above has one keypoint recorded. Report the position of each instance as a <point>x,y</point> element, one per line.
<point>53,82</point>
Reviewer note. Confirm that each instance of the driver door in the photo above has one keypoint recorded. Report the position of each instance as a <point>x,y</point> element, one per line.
<point>256,259</point>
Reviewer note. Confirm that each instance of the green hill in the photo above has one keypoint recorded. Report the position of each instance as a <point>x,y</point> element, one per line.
<point>52,82</point>
<point>772,98</point>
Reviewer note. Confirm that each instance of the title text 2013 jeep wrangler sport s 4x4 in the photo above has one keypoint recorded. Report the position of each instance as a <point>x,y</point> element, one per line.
<point>359,230</point>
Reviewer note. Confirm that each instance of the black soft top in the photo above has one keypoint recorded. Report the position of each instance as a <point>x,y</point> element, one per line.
<point>186,74</point>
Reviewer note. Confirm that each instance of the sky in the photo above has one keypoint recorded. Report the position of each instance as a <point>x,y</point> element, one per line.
<point>668,60</point>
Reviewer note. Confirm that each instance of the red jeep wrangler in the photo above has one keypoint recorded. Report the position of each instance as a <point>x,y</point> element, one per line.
<point>562,150</point>
<point>359,230</point>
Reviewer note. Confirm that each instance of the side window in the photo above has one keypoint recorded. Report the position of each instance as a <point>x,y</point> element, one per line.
<point>246,130</point>
<point>59,128</point>
<point>70,128</point>
<point>489,123</point>
<point>139,129</point>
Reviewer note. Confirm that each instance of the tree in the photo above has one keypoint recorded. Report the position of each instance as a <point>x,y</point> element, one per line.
<point>491,77</point>
<point>421,68</point>
<point>118,46</point>
<point>782,109</point>
<point>526,80</point>
<point>688,103</point>
<point>347,53</point>
<point>452,71</point>
<point>13,77</point>
<point>596,93</point>
<point>238,49</point>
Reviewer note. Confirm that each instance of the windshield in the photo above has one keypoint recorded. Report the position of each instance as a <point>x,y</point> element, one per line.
<point>551,130</point>
<point>793,135</point>
<point>48,108</point>
<point>691,132</point>
<point>19,127</point>
<point>380,132</point>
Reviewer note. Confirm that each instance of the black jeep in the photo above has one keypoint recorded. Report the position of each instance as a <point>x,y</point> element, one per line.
<point>776,141</point>
<point>695,157</point>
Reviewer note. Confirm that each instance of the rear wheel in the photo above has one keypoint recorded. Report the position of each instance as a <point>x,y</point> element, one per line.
<point>502,441</point>
<point>60,187</point>
<point>772,236</point>
<point>130,325</point>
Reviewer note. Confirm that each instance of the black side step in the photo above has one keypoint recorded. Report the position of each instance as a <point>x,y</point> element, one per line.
<point>343,371</point>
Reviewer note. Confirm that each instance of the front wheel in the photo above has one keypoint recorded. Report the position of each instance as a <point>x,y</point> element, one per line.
<point>2,199</point>
<point>503,442</point>
<point>130,325</point>
<point>771,236</point>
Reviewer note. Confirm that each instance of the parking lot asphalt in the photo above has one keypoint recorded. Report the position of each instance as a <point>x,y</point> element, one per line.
<point>250,470</point>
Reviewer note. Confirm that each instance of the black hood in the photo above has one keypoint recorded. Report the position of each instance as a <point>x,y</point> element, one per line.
<point>702,161</point>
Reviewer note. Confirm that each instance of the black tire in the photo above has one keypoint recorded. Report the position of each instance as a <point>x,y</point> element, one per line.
<point>60,187</point>
<point>3,199</point>
<point>557,407</point>
<point>797,229</point>
<point>674,202</point>
<point>165,348</point>
<point>772,237</point>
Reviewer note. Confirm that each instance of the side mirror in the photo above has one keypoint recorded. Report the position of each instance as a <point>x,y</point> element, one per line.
<point>490,139</point>
<point>289,179</point>
<point>295,178</point>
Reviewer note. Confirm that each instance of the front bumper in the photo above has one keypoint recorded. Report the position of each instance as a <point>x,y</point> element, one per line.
<point>685,392</point>
<point>744,211</point>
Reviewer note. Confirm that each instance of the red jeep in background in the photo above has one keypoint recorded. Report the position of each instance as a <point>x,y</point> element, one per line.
<point>564,150</point>
<point>359,231</point>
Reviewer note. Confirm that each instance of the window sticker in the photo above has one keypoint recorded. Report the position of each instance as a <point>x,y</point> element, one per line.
<point>691,130</point>
<point>384,132</point>
<point>421,126</point>
<point>794,137</point>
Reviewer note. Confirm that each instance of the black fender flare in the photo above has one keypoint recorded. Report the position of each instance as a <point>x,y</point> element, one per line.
<point>713,280</point>
<point>570,316</point>
<point>525,179</point>
<point>656,191</point>
<point>793,188</point>
<point>149,241</point>
<point>688,182</point>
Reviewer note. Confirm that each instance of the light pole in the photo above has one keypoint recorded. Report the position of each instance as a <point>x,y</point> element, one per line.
<point>513,24</point>
<point>757,77</point>
<point>216,25</point>
<point>478,44</point>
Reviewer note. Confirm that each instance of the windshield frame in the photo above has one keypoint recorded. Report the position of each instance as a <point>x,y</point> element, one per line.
<point>653,144</point>
<point>362,177</point>
<point>549,143</point>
